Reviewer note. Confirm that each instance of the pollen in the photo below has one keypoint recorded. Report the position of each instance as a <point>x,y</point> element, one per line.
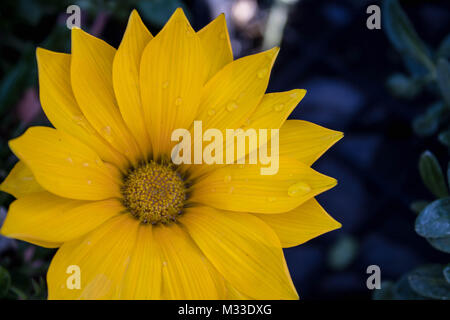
<point>154,193</point>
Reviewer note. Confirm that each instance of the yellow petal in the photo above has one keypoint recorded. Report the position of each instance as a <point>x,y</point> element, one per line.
<point>61,108</point>
<point>243,249</point>
<point>91,76</point>
<point>233,94</point>
<point>171,78</point>
<point>302,224</point>
<point>43,216</point>
<point>274,109</point>
<point>20,181</point>
<point>235,294</point>
<point>143,277</point>
<point>65,166</point>
<point>102,256</point>
<point>243,188</point>
<point>186,272</point>
<point>216,45</point>
<point>126,79</point>
<point>306,141</point>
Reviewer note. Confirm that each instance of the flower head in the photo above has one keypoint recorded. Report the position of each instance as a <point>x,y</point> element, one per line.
<point>102,186</point>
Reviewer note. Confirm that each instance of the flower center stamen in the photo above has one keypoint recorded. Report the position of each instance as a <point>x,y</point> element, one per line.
<point>154,193</point>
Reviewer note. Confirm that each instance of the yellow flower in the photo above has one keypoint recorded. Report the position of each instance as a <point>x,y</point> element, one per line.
<point>100,186</point>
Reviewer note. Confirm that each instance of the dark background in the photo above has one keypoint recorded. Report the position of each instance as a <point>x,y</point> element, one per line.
<point>327,49</point>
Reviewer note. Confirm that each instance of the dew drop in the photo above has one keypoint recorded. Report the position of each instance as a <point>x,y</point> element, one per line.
<point>298,189</point>
<point>279,107</point>
<point>106,131</point>
<point>69,159</point>
<point>271,199</point>
<point>232,106</point>
<point>293,95</point>
<point>164,263</point>
<point>85,164</point>
<point>227,178</point>
<point>222,35</point>
<point>230,191</point>
<point>89,182</point>
<point>178,101</point>
<point>80,120</point>
<point>262,73</point>
<point>165,84</point>
<point>211,112</point>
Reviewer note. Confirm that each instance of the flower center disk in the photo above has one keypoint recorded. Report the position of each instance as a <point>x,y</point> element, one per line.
<point>154,193</point>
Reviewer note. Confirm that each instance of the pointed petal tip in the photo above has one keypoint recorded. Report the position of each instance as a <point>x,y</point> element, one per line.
<point>134,16</point>
<point>178,14</point>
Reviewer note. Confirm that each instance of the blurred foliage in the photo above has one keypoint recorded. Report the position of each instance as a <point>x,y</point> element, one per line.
<point>25,25</point>
<point>428,70</point>
<point>343,252</point>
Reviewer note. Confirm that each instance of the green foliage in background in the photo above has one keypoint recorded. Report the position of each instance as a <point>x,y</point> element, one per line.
<point>23,267</point>
<point>428,70</point>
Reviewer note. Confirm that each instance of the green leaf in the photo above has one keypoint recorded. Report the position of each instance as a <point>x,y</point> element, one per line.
<point>5,282</point>
<point>402,290</point>
<point>404,87</point>
<point>404,38</point>
<point>428,123</point>
<point>446,273</point>
<point>19,293</point>
<point>432,175</point>
<point>429,282</point>
<point>434,220</point>
<point>386,291</point>
<point>343,252</point>
<point>418,206</point>
<point>444,48</point>
<point>444,138</point>
<point>441,244</point>
<point>443,79</point>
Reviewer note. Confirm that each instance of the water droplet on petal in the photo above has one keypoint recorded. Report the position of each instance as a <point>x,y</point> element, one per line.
<point>80,120</point>
<point>293,95</point>
<point>69,159</point>
<point>232,106</point>
<point>211,112</point>
<point>165,84</point>
<point>178,101</point>
<point>230,191</point>
<point>223,35</point>
<point>89,182</point>
<point>271,199</point>
<point>279,107</point>
<point>299,189</point>
<point>164,263</point>
<point>85,164</point>
<point>262,73</point>
<point>106,132</point>
<point>227,178</point>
